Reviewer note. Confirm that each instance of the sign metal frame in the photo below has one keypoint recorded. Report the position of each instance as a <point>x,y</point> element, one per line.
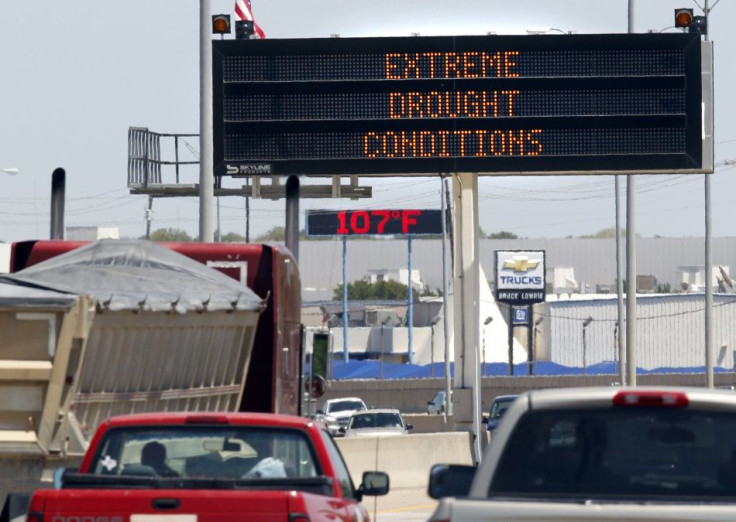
<point>425,105</point>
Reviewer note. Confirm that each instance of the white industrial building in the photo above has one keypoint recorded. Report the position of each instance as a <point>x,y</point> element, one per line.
<point>670,331</point>
<point>576,327</point>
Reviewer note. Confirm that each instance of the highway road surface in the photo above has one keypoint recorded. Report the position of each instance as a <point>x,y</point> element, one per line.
<point>405,505</point>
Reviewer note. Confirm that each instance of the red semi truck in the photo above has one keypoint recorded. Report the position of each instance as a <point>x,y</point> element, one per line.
<point>273,381</point>
<point>209,467</point>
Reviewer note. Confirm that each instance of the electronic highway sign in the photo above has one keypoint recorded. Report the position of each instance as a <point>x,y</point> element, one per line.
<point>547,104</point>
<point>374,222</point>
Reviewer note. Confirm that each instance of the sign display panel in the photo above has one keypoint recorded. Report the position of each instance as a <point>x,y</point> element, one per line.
<point>519,315</point>
<point>520,276</point>
<point>488,104</point>
<point>373,222</point>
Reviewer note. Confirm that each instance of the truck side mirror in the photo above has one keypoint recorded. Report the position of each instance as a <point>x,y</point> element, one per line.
<point>450,480</point>
<point>374,483</point>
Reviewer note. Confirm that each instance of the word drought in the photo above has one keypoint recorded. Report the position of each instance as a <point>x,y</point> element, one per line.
<point>436,104</point>
<point>469,64</point>
<point>449,143</point>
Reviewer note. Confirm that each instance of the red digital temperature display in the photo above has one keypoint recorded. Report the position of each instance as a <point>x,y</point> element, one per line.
<point>373,222</point>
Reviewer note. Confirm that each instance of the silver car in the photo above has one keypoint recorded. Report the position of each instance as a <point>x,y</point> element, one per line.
<point>376,423</point>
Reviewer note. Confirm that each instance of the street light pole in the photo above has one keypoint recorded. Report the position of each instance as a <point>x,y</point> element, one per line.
<point>434,322</point>
<point>485,323</point>
<point>383,325</point>
<point>586,323</point>
<point>535,333</point>
<point>630,260</point>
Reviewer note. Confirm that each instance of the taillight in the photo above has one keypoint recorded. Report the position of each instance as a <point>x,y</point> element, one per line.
<point>659,399</point>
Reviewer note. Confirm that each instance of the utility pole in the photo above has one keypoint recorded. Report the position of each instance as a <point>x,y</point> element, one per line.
<point>445,299</point>
<point>631,260</point>
<point>206,157</point>
<point>708,126</point>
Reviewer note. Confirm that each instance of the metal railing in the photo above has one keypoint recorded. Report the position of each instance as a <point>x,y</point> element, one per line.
<point>145,157</point>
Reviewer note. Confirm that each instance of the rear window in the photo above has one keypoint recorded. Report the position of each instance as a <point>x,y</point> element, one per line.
<point>500,406</point>
<point>198,451</point>
<point>645,453</point>
<point>375,420</point>
<point>345,406</point>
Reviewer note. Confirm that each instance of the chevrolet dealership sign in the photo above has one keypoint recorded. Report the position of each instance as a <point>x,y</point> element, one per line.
<point>520,276</point>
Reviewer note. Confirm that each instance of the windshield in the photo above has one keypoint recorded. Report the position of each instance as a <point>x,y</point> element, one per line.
<point>206,452</point>
<point>499,407</point>
<point>375,420</point>
<point>345,406</point>
<point>644,453</point>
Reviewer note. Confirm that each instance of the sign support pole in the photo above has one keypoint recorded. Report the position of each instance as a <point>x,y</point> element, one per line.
<point>467,303</point>
<point>530,340</point>
<point>445,303</point>
<point>708,126</point>
<point>410,313</point>
<point>345,317</point>
<point>206,157</point>
<point>511,340</point>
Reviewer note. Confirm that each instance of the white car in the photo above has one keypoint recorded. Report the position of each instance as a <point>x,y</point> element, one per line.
<point>329,422</point>
<point>437,404</point>
<point>341,409</point>
<point>376,423</point>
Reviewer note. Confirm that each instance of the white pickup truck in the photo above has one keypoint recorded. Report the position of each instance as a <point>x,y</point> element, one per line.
<point>645,453</point>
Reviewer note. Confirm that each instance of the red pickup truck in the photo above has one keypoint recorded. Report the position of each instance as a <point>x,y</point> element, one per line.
<point>208,467</point>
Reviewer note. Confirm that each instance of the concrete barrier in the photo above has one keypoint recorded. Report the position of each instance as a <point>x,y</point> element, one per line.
<point>423,423</point>
<point>406,458</point>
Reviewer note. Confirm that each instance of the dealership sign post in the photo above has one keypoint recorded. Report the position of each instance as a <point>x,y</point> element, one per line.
<point>520,281</point>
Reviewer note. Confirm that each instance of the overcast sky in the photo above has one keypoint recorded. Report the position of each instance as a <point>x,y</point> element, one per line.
<point>75,75</point>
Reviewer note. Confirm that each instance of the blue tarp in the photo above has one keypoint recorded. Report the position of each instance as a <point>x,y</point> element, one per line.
<point>376,370</point>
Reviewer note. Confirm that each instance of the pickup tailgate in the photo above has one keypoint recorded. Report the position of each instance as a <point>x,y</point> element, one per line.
<point>181,505</point>
<point>466,510</point>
